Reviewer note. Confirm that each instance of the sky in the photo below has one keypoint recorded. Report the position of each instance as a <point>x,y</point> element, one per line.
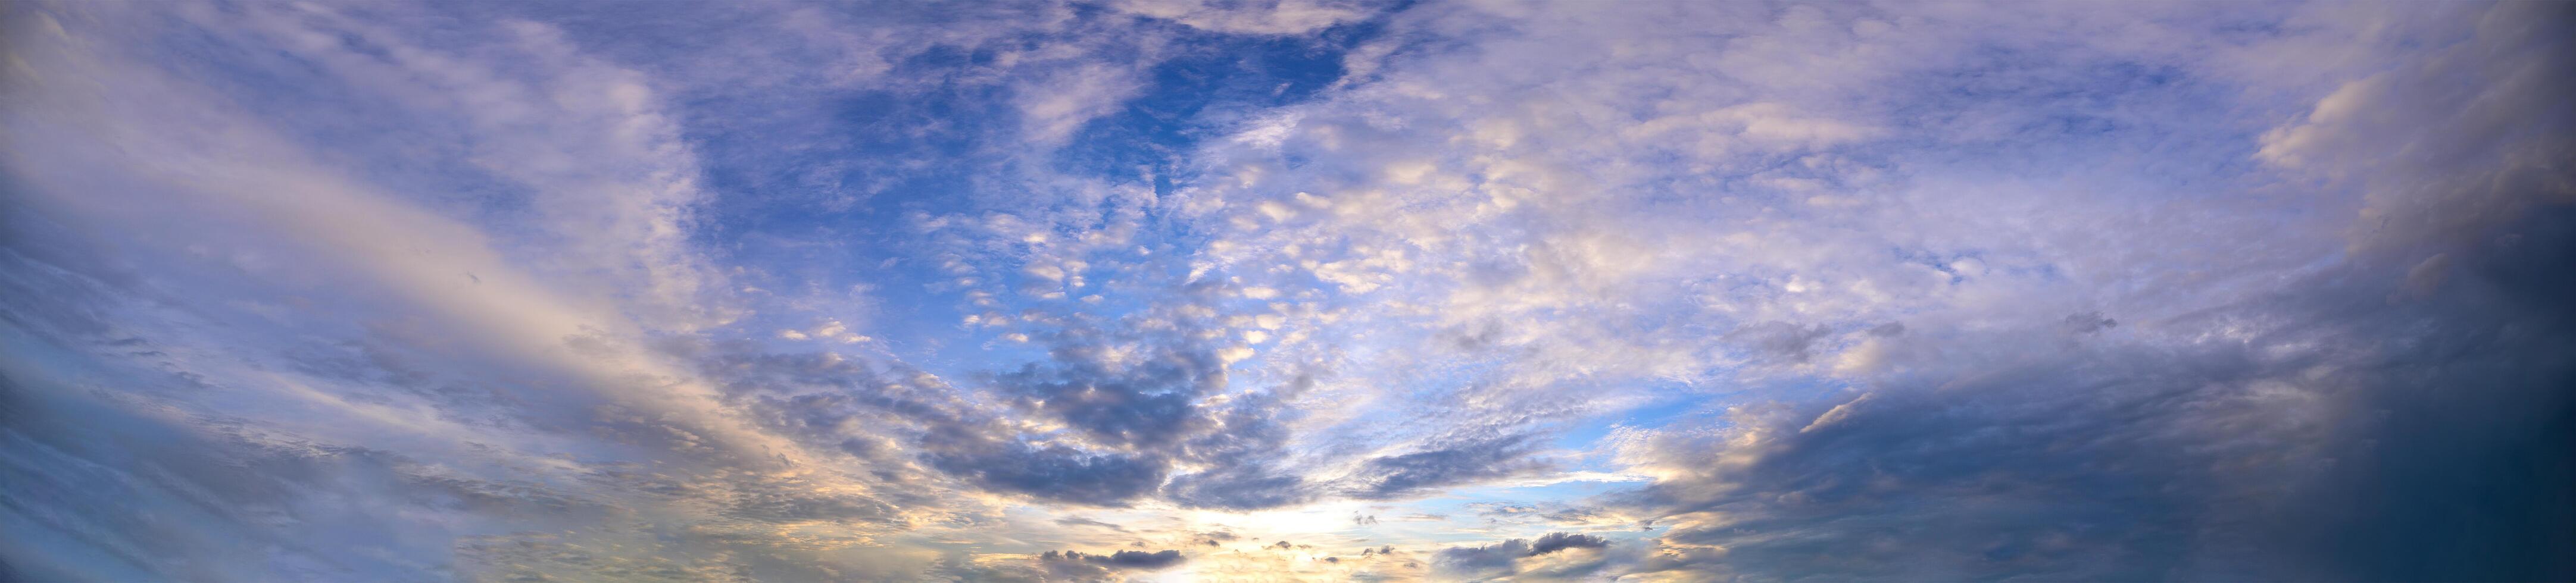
<point>1273,290</point>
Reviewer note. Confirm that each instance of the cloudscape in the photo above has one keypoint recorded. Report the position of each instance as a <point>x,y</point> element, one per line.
<point>1274,290</point>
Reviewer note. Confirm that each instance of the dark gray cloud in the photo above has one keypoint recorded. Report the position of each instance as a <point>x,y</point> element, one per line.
<point>2346,438</point>
<point>1505,558</point>
<point>1250,439</point>
<point>1478,459</point>
<point>1239,488</point>
<point>2403,415</point>
<point>1081,566</point>
<point>1136,421</point>
<point>1149,404</point>
<point>1054,472</point>
<point>1121,559</point>
<point>1558,541</point>
<point>1143,412</point>
<point>1492,556</point>
<point>1216,538</point>
<point>1781,340</point>
<point>1144,417</point>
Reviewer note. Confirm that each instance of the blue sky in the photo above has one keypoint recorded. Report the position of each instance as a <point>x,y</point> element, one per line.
<point>1286,290</point>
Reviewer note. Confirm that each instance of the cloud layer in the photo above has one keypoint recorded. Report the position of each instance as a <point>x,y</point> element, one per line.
<point>1287,290</point>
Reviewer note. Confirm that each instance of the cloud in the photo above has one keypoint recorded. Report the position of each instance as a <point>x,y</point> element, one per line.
<point>1558,541</point>
<point>1513,557</point>
<point>1078,521</point>
<point>887,292</point>
<point>1498,555</point>
<point>2493,159</point>
<point>2214,461</point>
<point>1122,559</point>
<point>2231,442</point>
<point>1410,473</point>
<point>1079,565</point>
<point>1055,472</point>
<point>1257,17</point>
<point>403,355</point>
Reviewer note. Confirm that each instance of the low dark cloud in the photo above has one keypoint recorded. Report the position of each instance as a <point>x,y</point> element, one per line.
<point>1054,472</point>
<point>1240,489</point>
<point>1781,340</point>
<point>1138,421</point>
<point>1504,558</point>
<point>1149,404</point>
<point>891,419</point>
<point>1477,459</point>
<point>1558,541</point>
<point>1142,418</point>
<point>1121,559</point>
<point>1250,441</point>
<point>2405,414</point>
<point>1497,556</point>
<point>2339,436</point>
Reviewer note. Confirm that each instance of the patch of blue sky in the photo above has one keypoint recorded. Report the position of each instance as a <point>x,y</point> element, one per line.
<point>1206,90</point>
<point>947,150</point>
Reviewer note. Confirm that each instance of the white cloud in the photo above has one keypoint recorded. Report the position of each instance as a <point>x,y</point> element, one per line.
<point>1275,17</point>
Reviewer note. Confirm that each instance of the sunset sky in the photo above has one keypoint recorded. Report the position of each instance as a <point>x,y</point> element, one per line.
<point>1281,290</point>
